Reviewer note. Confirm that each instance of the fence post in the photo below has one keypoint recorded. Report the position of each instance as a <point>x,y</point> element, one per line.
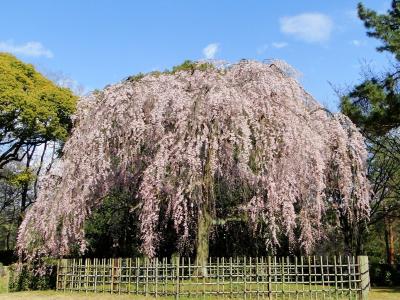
<point>177,277</point>
<point>65,263</point>
<point>137,265</point>
<point>244,277</point>
<point>86,276</point>
<point>146,286</point>
<point>364,276</point>
<point>73,268</point>
<point>269,278</point>
<point>112,275</point>
<point>156,276</point>
<point>58,275</point>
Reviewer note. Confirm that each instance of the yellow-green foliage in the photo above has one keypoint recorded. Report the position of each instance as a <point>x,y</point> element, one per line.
<point>24,177</point>
<point>191,66</point>
<point>186,66</point>
<point>32,108</point>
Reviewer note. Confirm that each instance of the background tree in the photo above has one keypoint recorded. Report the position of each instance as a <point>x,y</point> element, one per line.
<point>112,230</point>
<point>33,110</point>
<point>374,105</point>
<point>35,119</point>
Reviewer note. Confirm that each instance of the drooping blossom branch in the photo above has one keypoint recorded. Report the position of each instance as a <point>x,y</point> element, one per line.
<point>249,124</point>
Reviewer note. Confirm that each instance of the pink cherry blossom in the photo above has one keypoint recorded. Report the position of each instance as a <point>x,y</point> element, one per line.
<point>250,123</point>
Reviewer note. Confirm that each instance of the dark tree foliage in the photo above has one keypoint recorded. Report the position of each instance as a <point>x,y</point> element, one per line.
<point>112,230</point>
<point>374,106</point>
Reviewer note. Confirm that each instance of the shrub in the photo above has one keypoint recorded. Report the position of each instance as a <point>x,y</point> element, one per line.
<point>40,276</point>
<point>384,274</point>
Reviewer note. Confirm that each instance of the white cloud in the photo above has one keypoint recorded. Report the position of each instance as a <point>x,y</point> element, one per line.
<point>279,45</point>
<point>210,50</point>
<point>33,48</point>
<point>357,43</point>
<point>309,27</point>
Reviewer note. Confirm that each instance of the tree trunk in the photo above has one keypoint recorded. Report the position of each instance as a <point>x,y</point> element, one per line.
<point>8,240</point>
<point>25,186</point>
<point>203,236</point>
<point>24,201</point>
<point>389,241</point>
<point>360,242</point>
<point>205,215</point>
<point>348,234</point>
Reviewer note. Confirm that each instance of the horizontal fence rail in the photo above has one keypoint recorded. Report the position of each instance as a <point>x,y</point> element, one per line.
<point>244,278</point>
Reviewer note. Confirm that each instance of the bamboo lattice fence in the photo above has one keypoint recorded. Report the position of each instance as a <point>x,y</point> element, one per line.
<point>244,278</point>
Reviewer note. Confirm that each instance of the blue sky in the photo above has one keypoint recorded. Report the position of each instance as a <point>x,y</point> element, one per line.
<point>96,43</point>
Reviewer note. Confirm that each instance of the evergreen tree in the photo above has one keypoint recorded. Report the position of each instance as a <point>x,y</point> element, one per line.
<point>374,105</point>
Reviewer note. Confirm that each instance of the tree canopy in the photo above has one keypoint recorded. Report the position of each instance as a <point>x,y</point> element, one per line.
<point>374,104</point>
<point>33,109</point>
<point>202,146</point>
<point>35,119</point>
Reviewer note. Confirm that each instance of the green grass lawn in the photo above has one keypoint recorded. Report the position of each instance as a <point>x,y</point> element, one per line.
<point>4,281</point>
<point>375,294</point>
<point>385,293</point>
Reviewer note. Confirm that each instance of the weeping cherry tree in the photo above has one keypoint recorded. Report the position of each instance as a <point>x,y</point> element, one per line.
<point>181,141</point>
